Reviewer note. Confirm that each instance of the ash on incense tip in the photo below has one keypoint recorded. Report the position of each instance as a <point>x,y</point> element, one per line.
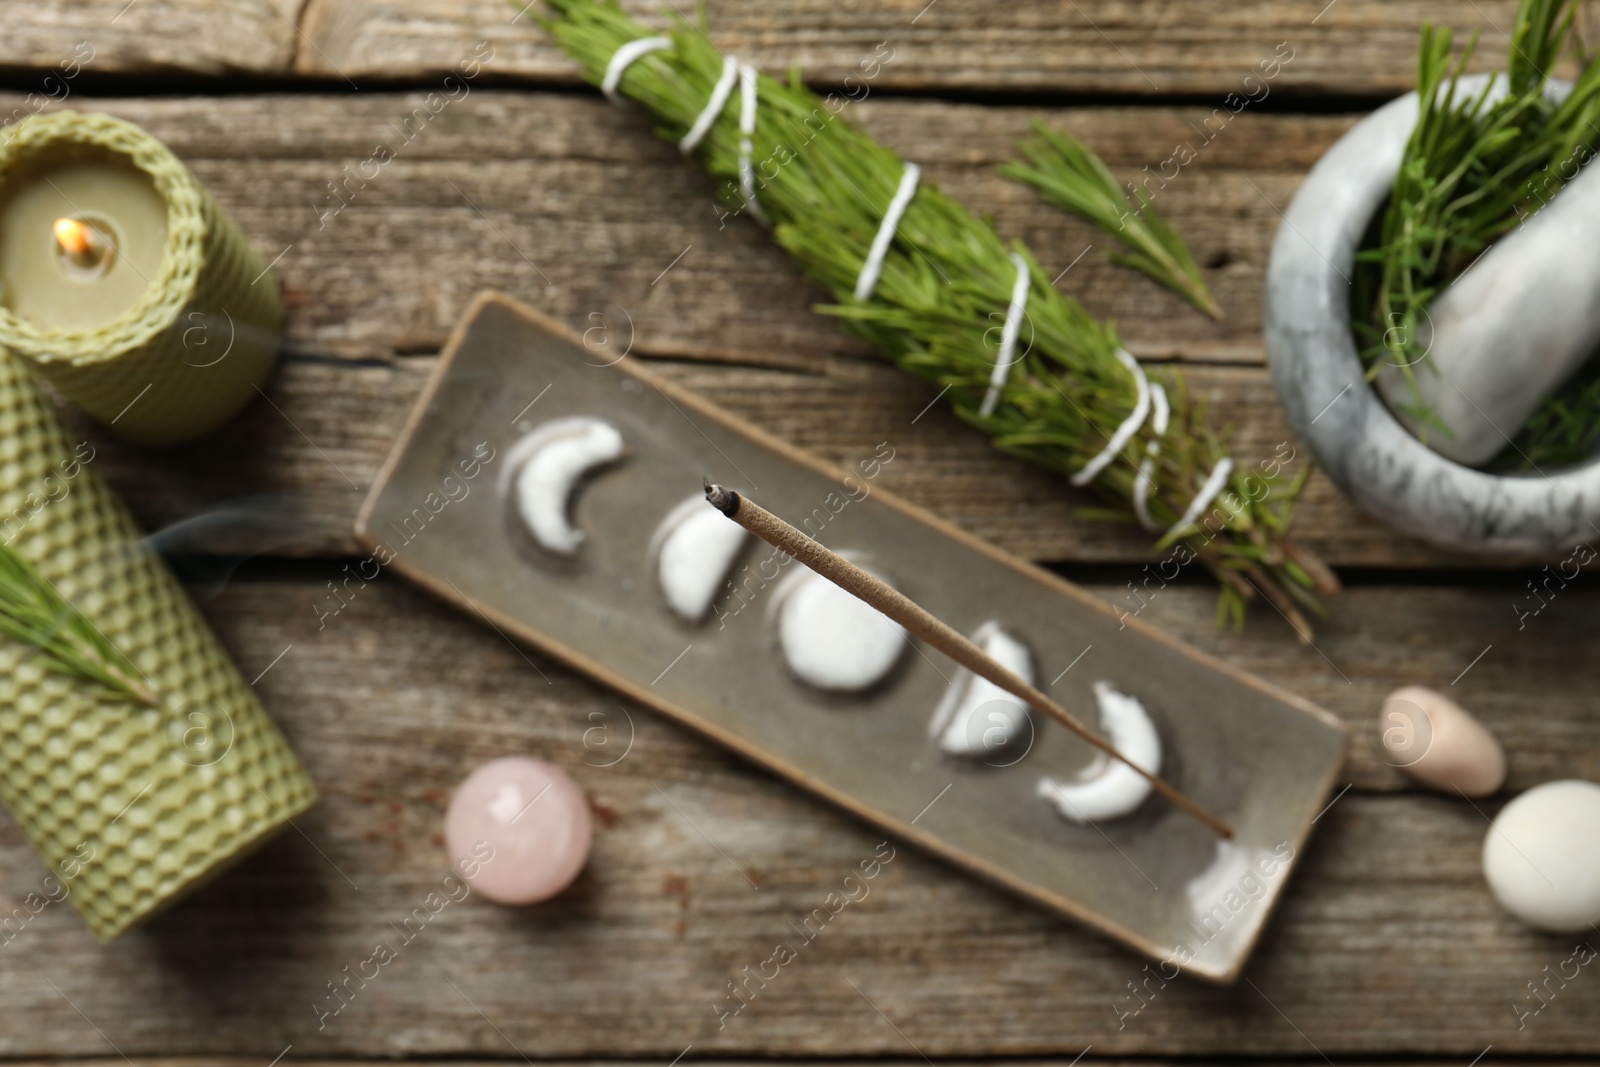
<point>724,500</point>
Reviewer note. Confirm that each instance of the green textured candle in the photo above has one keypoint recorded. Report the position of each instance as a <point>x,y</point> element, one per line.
<point>130,805</point>
<point>124,283</point>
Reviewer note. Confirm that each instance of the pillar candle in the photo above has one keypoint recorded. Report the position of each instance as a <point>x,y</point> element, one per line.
<point>124,283</point>
<point>130,806</point>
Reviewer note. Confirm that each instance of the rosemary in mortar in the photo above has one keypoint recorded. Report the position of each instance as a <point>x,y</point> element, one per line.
<point>1471,172</point>
<point>824,186</point>
<point>33,611</point>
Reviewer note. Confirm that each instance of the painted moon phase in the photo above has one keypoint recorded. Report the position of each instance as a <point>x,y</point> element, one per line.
<point>1110,788</point>
<point>833,641</point>
<point>554,458</point>
<point>977,717</point>
<point>697,547</point>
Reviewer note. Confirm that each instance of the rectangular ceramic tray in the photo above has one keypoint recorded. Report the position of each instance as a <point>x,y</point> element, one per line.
<point>1156,880</point>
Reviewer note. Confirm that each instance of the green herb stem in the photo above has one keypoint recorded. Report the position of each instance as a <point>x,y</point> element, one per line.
<point>33,611</point>
<point>1066,173</point>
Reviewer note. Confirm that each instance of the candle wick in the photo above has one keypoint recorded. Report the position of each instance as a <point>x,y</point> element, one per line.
<point>82,243</point>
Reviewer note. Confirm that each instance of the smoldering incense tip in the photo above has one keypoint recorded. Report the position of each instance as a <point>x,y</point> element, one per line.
<point>724,500</point>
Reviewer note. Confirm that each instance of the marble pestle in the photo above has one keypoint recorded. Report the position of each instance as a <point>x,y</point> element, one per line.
<point>1509,331</point>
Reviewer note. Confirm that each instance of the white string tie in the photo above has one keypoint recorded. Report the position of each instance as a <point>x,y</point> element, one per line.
<point>867,280</point>
<point>1159,415</point>
<point>1208,492</point>
<point>624,57</point>
<point>1158,429</point>
<point>1129,427</point>
<point>1008,337</point>
<point>714,105</point>
<point>747,129</point>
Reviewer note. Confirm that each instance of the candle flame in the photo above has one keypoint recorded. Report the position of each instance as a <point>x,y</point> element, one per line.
<point>75,238</point>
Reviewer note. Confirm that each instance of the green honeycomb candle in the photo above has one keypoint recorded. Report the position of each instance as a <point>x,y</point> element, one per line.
<point>130,805</point>
<point>123,282</point>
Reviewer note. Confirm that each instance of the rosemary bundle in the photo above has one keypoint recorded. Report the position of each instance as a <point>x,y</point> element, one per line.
<point>1051,384</point>
<point>1069,175</point>
<point>1471,172</point>
<point>33,611</point>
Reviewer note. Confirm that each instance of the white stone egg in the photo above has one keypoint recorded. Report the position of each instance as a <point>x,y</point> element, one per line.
<point>1542,857</point>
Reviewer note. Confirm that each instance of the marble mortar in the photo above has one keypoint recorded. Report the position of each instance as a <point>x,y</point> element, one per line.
<point>1319,377</point>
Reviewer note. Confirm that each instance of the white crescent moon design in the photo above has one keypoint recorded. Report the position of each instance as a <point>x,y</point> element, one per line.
<point>554,458</point>
<point>1110,788</point>
<point>979,718</point>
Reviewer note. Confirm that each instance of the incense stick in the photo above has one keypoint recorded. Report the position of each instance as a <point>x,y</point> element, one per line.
<point>920,623</point>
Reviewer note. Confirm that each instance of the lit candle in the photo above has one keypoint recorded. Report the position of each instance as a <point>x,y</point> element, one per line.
<point>80,244</point>
<point>124,284</point>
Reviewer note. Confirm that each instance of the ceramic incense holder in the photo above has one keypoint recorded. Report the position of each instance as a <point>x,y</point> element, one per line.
<point>591,597</point>
<point>1321,382</point>
<point>130,806</point>
<point>204,332</point>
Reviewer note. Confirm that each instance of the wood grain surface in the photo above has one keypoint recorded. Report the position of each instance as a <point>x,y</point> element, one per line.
<point>330,423</point>
<point>143,37</point>
<point>1352,46</point>
<point>1386,941</point>
<point>1147,48</point>
<point>1387,946</point>
<point>572,207</point>
<point>888,1061</point>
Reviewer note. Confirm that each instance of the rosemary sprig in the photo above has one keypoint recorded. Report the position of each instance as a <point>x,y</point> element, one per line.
<point>1471,172</point>
<point>1069,175</point>
<point>937,307</point>
<point>33,611</point>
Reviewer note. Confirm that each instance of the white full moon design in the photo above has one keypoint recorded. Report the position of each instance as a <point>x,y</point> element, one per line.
<point>696,546</point>
<point>977,717</point>
<point>833,641</point>
<point>553,459</point>
<point>1109,788</point>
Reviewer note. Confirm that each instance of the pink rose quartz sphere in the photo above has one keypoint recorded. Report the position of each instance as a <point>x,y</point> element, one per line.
<point>534,817</point>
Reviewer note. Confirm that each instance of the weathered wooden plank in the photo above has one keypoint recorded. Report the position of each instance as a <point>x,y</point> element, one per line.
<point>1481,645</point>
<point>333,422</point>
<point>1090,1060</point>
<point>1353,46</point>
<point>572,206</point>
<point>575,207</point>
<point>1178,46</point>
<point>55,41</point>
<point>1468,641</point>
<point>1386,942</point>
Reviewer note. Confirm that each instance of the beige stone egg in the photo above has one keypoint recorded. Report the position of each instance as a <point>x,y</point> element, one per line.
<point>1438,743</point>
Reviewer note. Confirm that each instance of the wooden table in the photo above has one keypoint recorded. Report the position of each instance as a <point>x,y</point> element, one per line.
<point>1387,945</point>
